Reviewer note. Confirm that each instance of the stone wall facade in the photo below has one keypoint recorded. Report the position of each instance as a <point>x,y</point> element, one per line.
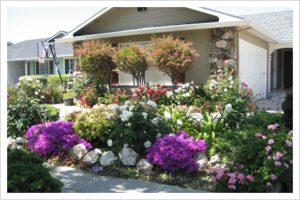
<point>223,47</point>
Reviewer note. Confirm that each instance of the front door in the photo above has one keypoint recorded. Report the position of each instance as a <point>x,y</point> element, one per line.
<point>287,69</point>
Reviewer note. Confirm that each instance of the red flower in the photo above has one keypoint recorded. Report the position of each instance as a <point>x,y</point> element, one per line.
<point>163,86</point>
<point>158,85</point>
<point>156,99</point>
<point>150,92</point>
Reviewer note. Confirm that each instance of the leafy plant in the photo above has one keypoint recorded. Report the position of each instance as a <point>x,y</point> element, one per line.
<point>25,112</point>
<point>132,60</point>
<point>287,107</point>
<point>95,126</point>
<point>95,58</point>
<point>25,173</point>
<point>89,96</point>
<point>172,55</point>
<point>69,95</point>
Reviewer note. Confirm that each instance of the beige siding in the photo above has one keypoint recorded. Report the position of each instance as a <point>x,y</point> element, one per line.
<point>245,35</point>
<point>198,73</point>
<point>119,19</point>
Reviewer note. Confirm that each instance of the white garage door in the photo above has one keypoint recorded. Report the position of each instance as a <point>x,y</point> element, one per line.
<point>253,67</point>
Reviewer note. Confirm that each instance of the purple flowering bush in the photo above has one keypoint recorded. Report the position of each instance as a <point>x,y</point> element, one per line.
<point>176,152</point>
<point>52,138</point>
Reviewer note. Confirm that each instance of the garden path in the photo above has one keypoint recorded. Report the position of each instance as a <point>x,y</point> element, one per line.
<point>78,181</point>
<point>273,103</point>
<point>64,110</point>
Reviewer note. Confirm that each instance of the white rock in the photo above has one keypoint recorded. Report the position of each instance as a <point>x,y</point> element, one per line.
<point>107,158</point>
<point>11,141</point>
<point>214,159</point>
<point>202,161</point>
<point>221,44</point>
<point>144,166</point>
<point>92,156</point>
<point>128,156</point>
<point>78,151</point>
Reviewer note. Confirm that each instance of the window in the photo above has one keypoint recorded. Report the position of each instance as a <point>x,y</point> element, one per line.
<point>69,65</point>
<point>115,78</point>
<point>44,68</point>
<point>51,67</point>
<point>37,68</point>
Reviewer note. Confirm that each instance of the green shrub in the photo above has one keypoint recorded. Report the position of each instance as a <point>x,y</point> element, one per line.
<point>54,80</point>
<point>287,107</point>
<point>94,126</point>
<point>252,150</point>
<point>72,117</point>
<point>26,173</point>
<point>25,112</point>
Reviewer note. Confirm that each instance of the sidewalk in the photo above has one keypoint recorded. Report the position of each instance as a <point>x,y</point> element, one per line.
<point>64,110</point>
<point>78,181</point>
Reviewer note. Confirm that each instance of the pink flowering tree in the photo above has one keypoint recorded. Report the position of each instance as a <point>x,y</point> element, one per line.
<point>172,55</point>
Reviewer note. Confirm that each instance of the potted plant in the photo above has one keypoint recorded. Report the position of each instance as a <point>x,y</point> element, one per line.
<point>69,98</point>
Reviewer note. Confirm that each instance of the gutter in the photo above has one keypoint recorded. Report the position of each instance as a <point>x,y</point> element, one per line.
<point>151,30</point>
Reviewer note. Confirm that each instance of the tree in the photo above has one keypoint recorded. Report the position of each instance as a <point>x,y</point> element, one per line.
<point>132,60</point>
<point>172,55</point>
<point>95,58</point>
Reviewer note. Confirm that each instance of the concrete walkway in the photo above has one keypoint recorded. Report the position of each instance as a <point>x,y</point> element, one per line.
<point>64,110</point>
<point>78,181</point>
<point>273,103</point>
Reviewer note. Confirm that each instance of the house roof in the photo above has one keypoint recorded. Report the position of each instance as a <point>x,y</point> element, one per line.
<point>280,24</point>
<point>28,49</point>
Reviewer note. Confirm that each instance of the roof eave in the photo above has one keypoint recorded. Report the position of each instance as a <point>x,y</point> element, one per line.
<point>262,33</point>
<point>152,30</point>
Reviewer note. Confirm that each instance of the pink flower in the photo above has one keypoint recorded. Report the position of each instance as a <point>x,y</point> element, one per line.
<point>241,178</point>
<point>264,137</point>
<point>270,141</point>
<point>268,148</point>
<point>289,143</point>
<point>291,162</point>
<point>269,184</point>
<point>226,62</point>
<point>258,135</point>
<point>220,173</point>
<point>242,166</point>
<point>269,157</point>
<point>277,156</point>
<point>232,180</point>
<point>290,132</point>
<point>232,187</point>
<point>250,178</point>
<point>277,163</point>
<point>273,127</point>
<point>273,177</point>
<point>286,165</point>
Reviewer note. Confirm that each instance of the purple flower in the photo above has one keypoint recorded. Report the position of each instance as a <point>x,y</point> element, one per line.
<point>52,138</point>
<point>277,163</point>
<point>273,177</point>
<point>277,156</point>
<point>289,143</point>
<point>286,165</point>
<point>97,169</point>
<point>270,141</point>
<point>250,178</point>
<point>178,152</point>
<point>268,148</point>
<point>232,187</point>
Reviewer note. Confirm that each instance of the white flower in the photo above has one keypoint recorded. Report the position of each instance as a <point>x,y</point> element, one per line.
<point>154,121</point>
<point>126,115</point>
<point>186,94</point>
<point>42,96</point>
<point>147,144</point>
<point>109,142</point>
<point>225,90</point>
<point>212,86</point>
<point>142,103</point>
<point>178,90</point>
<point>123,107</point>
<point>152,103</point>
<point>145,115</point>
<point>231,82</point>
<point>169,94</point>
<point>179,122</point>
<point>228,108</point>
<point>158,135</point>
<point>171,134</point>
<point>36,93</point>
<point>29,79</point>
<point>197,116</point>
<point>108,115</point>
<point>216,115</point>
<point>131,108</point>
<point>39,90</point>
<point>18,85</point>
<point>167,115</point>
<point>129,124</point>
<point>230,78</point>
<point>187,85</point>
<point>38,81</point>
<point>115,107</point>
<point>21,78</point>
<point>127,103</point>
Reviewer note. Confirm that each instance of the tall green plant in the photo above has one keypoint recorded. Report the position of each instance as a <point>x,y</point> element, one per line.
<point>95,58</point>
<point>132,60</point>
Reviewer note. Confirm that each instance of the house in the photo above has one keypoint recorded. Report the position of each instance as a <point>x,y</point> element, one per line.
<point>262,43</point>
<point>24,58</point>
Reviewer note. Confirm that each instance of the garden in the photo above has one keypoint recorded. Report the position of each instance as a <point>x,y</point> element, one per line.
<point>206,136</point>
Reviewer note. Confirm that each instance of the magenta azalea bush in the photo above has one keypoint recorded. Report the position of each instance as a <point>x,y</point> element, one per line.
<point>52,138</point>
<point>176,152</point>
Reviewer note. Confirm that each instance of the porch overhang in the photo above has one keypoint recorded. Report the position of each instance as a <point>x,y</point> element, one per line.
<point>151,30</point>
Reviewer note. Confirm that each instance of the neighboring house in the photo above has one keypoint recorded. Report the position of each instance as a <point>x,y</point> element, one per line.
<point>262,44</point>
<point>23,58</point>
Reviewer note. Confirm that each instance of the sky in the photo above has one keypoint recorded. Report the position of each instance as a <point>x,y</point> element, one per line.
<point>25,23</point>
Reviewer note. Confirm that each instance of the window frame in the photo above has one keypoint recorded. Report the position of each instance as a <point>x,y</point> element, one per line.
<point>74,64</point>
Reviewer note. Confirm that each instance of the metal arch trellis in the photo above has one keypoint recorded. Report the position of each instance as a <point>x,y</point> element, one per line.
<point>50,49</point>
